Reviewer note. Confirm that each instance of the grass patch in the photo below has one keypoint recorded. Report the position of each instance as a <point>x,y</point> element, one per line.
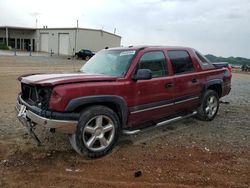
<point>3,47</point>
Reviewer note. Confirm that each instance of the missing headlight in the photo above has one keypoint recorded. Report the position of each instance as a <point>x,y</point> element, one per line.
<point>44,97</point>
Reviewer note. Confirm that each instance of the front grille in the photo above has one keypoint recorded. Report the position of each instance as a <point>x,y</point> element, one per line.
<point>29,94</point>
<point>37,96</point>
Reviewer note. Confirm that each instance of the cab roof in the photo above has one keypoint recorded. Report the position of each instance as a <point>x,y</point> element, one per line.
<point>141,47</point>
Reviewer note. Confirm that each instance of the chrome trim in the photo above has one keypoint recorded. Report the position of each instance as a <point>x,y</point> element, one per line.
<point>152,108</point>
<point>169,121</point>
<point>18,106</point>
<point>175,119</point>
<point>63,126</point>
<point>60,125</point>
<point>165,105</point>
<point>132,132</point>
<point>193,98</point>
<point>128,132</point>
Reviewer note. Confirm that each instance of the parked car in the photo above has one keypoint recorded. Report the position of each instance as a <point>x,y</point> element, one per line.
<point>245,68</point>
<point>84,54</point>
<point>123,90</point>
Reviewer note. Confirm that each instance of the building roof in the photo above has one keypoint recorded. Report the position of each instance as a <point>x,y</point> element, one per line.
<point>18,28</point>
<point>74,28</point>
<point>56,28</point>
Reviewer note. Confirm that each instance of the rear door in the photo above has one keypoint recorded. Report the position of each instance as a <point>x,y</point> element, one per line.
<point>151,99</point>
<point>187,84</point>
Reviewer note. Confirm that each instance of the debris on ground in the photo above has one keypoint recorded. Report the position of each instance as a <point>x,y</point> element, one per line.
<point>207,149</point>
<point>138,173</point>
<point>224,102</point>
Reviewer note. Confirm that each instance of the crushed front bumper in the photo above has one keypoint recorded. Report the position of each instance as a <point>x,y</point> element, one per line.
<point>32,115</point>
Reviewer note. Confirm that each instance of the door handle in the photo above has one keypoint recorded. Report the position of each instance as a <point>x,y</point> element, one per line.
<point>194,80</point>
<point>168,85</point>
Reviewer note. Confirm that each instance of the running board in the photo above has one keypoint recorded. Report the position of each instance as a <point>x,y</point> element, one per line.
<point>132,132</point>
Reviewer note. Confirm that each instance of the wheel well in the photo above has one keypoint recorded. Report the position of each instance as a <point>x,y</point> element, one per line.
<point>110,105</point>
<point>217,88</point>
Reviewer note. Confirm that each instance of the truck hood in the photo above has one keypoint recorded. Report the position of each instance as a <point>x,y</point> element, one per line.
<point>65,78</point>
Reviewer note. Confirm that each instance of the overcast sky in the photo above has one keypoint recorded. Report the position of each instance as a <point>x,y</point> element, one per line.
<point>220,27</point>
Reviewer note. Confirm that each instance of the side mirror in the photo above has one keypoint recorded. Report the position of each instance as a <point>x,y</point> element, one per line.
<point>143,74</point>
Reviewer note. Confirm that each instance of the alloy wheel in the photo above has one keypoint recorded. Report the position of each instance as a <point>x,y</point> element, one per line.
<point>98,133</point>
<point>211,107</point>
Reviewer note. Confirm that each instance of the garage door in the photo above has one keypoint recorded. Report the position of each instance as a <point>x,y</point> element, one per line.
<point>44,42</point>
<point>64,44</point>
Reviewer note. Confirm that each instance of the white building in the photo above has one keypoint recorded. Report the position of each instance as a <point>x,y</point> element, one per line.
<point>61,41</point>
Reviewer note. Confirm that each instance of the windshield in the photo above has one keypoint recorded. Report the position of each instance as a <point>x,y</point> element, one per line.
<point>109,62</point>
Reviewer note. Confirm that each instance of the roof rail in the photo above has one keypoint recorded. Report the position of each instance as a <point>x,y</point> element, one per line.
<point>142,48</point>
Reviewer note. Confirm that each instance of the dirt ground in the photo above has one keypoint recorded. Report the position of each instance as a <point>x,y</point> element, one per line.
<point>189,153</point>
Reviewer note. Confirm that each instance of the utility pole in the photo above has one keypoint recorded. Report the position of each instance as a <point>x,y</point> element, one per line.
<point>7,36</point>
<point>76,36</point>
<point>37,38</point>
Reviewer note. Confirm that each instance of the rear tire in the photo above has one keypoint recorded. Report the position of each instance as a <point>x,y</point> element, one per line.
<point>209,106</point>
<point>96,133</point>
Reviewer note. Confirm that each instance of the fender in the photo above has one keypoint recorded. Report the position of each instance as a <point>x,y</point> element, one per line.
<point>100,99</point>
<point>213,82</point>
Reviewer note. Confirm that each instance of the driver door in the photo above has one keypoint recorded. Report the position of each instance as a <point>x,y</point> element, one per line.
<point>151,99</point>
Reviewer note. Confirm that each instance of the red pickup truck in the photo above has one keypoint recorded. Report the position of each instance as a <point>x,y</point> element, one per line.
<point>123,90</point>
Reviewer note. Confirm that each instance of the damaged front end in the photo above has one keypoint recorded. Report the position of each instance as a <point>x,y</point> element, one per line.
<point>33,109</point>
<point>22,116</point>
<point>36,96</point>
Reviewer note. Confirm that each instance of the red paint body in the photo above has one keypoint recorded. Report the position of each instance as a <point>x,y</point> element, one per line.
<point>71,86</point>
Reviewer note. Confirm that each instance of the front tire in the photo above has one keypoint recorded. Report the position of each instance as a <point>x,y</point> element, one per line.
<point>97,132</point>
<point>209,107</point>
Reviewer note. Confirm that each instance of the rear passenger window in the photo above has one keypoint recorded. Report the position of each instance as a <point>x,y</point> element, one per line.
<point>201,57</point>
<point>154,61</point>
<point>181,61</point>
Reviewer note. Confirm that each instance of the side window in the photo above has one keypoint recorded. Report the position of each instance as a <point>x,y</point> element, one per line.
<point>201,57</point>
<point>181,61</point>
<point>154,61</point>
<point>88,52</point>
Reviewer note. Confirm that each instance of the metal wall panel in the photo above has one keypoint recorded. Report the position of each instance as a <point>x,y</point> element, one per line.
<point>63,44</point>
<point>44,37</point>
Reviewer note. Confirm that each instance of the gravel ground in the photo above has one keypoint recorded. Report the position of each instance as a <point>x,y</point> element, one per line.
<point>189,153</point>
